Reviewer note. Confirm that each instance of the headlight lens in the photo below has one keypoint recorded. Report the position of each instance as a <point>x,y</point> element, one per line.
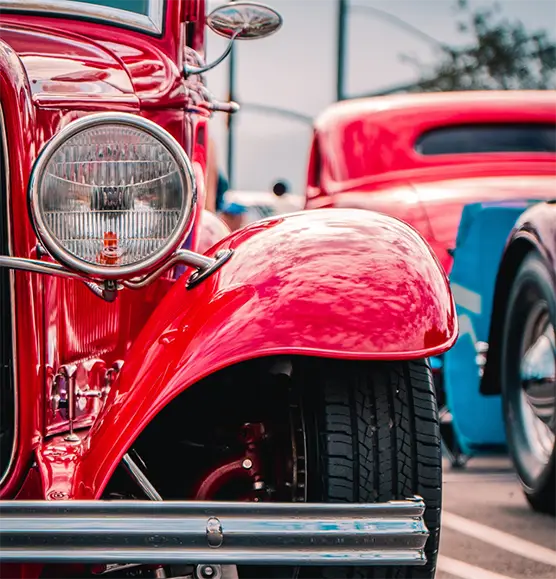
<point>112,195</point>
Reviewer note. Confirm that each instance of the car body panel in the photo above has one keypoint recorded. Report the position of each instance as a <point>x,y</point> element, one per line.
<point>535,230</point>
<point>383,296</point>
<point>369,137</point>
<point>539,224</point>
<point>152,63</point>
<point>445,200</point>
<point>61,67</point>
<point>53,71</point>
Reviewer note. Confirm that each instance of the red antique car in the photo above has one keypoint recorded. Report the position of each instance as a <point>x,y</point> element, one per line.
<point>423,157</point>
<point>255,404</point>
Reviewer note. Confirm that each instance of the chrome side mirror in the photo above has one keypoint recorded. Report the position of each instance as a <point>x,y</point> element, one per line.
<point>239,21</point>
<point>244,20</point>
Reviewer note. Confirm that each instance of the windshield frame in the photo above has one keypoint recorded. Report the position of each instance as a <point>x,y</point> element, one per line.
<point>152,23</point>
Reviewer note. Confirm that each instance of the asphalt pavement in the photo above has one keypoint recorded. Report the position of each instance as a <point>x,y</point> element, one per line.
<point>488,528</point>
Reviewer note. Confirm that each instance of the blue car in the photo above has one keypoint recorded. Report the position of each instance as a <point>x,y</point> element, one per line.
<point>472,419</point>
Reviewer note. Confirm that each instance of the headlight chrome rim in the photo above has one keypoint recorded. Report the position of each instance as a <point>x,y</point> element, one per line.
<point>157,258</point>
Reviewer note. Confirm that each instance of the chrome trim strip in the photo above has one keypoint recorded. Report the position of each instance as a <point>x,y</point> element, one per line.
<point>152,23</point>
<point>4,475</point>
<point>392,533</point>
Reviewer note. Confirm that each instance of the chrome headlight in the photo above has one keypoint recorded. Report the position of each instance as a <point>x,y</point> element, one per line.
<point>112,195</point>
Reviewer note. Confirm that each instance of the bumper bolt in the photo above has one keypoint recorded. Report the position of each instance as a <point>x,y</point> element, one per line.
<point>247,463</point>
<point>208,572</point>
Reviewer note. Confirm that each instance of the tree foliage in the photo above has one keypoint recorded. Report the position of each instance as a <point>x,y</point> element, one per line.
<point>502,55</point>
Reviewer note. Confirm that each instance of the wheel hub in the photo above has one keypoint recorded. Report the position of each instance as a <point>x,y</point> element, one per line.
<point>538,383</point>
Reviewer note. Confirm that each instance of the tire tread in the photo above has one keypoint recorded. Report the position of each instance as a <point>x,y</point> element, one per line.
<point>379,440</point>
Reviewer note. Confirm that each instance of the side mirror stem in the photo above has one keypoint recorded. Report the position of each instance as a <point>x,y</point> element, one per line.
<point>190,70</point>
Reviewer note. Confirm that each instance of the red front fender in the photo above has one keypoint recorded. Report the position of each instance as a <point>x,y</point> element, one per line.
<point>338,283</point>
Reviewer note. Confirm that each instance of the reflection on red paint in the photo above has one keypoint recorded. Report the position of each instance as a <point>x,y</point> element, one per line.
<point>338,283</point>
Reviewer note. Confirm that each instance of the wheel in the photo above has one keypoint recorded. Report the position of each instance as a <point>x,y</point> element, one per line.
<point>373,436</point>
<point>334,431</point>
<point>528,366</point>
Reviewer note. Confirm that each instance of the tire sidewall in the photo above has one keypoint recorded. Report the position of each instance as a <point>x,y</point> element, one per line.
<point>533,272</point>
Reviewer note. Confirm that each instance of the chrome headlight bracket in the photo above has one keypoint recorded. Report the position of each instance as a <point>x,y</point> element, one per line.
<point>106,280</point>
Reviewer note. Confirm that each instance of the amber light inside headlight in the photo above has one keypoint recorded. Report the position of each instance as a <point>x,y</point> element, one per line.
<point>111,195</point>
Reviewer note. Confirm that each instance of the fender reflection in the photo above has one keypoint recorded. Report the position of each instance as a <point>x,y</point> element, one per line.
<point>337,283</point>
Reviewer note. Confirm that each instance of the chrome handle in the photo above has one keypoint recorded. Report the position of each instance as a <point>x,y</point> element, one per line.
<point>230,107</point>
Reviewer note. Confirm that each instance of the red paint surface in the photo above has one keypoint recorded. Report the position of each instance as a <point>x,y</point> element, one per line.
<point>53,71</point>
<point>363,156</point>
<point>343,284</point>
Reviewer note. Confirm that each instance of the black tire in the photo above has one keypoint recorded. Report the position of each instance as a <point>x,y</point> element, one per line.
<point>373,436</point>
<point>531,291</point>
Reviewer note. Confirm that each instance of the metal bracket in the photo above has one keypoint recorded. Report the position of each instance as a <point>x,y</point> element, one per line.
<point>197,277</point>
<point>108,289</point>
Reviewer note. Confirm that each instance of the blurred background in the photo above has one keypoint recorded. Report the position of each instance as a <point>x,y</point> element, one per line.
<point>328,50</point>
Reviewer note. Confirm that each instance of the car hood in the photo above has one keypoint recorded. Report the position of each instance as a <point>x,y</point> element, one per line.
<point>443,201</point>
<point>62,67</point>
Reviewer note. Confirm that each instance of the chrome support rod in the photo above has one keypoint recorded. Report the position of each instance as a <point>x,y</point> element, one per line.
<point>182,256</point>
<point>189,69</point>
<point>139,477</point>
<point>203,265</point>
<point>37,266</point>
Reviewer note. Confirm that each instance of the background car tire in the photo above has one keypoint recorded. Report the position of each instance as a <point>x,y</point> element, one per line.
<point>531,286</point>
<point>375,438</point>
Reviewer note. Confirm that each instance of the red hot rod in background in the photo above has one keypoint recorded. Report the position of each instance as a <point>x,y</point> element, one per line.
<point>168,412</point>
<point>423,157</point>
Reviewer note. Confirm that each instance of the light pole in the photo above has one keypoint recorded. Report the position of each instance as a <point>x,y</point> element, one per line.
<point>342,30</point>
<point>231,97</point>
<point>262,108</point>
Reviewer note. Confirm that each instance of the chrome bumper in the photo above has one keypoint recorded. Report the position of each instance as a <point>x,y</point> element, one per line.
<point>392,533</point>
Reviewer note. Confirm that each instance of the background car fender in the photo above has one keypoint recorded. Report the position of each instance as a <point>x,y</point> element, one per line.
<point>338,283</point>
<point>533,231</point>
<point>482,236</point>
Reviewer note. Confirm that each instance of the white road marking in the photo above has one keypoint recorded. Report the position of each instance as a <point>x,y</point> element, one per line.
<point>465,570</point>
<point>502,477</point>
<point>499,539</point>
<point>467,298</point>
<point>466,327</point>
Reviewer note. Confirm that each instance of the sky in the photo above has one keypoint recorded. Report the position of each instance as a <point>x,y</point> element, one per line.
<point>296,69</point>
